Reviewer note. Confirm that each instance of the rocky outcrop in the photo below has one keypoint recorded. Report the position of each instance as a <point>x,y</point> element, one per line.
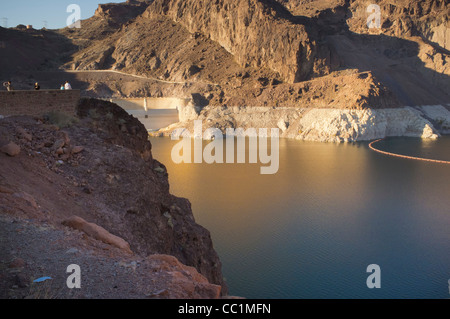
<point>101,169</point>
<point>312,8</point>
<point>351,126</point>
<point>138,206</point>
<point>257,33</point>
<point>184,282</point>
<point>349,90</point>
<point>328,125</point>
<point>123,12</point>
<point>124,129</point>
<point>97,232</point>
<point>11,149</point>
<point>438,33</point>
<point>429,19</point>
<point>439,116</point>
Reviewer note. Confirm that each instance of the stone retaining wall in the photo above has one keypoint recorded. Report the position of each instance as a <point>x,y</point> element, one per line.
<point>37,103</point>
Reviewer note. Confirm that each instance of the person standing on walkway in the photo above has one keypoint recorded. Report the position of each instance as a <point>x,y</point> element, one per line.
<point>8,86</point>
<point>67,86</point>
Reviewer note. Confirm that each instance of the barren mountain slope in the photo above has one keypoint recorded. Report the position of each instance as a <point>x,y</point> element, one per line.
<point>198,41</point>
<point>264,53</point>
<point>409,53</point>
<point>25,50</point>
<point>101,169</point>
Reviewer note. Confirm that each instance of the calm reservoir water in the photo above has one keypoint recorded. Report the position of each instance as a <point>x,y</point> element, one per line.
<point>311,230</point>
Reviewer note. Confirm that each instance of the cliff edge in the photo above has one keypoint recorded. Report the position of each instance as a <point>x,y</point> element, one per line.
<point>94,177</point>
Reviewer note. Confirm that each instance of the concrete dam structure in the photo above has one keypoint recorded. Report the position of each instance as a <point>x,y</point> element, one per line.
<point>154,113</point>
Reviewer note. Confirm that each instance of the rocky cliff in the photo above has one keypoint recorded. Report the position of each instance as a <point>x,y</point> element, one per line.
<point>123,12</point>
<point>325,124</point>
<point>428,19</point>
<point>284,53</point>
<point>256,33</point>
<point>139,205</point>
<point>96,174</point>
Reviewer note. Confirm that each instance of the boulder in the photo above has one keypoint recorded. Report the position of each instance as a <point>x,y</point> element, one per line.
<point>28,198</point>
<point>185,282</point>
<point>11,149</point>
<point>64,136</point>
<point>77,149</point>
<point>429,132</point>
<point>97,232</point>
<point>59,144</point>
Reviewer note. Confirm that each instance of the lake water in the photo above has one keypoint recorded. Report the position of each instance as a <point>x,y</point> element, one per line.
<point>160,112</point>
<point>311,230</point>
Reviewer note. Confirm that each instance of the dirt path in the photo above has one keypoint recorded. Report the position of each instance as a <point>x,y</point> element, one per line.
<point>29,251</point>
<point>137,76</point>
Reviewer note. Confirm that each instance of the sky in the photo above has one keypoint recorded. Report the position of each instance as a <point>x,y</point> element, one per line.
<point>39,13</point>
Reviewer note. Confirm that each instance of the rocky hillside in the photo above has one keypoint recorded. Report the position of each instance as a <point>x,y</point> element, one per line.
<point>426,19</point>
<point>256,33</point>
<point>279,53</point>
<point>108,19</point>
<point>263,50</point>
<point>25,50</point>
<point>409,53</point>
<point>95,174</point>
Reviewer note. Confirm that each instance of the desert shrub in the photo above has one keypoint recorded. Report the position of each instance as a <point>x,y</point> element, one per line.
<point>93,114</point>
<point>61,119</point>
<point>109,116</point>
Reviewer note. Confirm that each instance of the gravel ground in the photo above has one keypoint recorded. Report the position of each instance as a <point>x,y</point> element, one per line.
<point>29,251</point>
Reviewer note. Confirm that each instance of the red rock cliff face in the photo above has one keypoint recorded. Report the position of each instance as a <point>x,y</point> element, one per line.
<point>140,208</point>
<point>258,33</point>
<point>121,13</point>
<point>404,18</point>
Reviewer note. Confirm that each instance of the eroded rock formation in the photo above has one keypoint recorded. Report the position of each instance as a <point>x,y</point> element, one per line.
<point>257,33</point>
<point>100,169</point>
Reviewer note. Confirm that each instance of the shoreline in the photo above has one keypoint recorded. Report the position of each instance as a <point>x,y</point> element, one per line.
<point>321,125</point>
